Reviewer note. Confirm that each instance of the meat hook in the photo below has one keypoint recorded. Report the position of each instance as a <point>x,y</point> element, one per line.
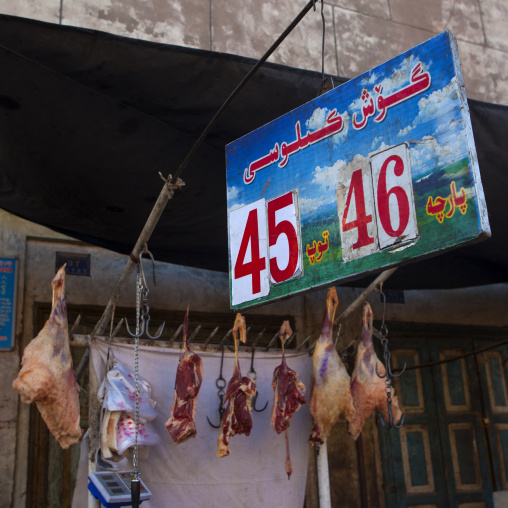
<point>391,424</point>
<point>143,316</point>
<point>253,375</point>
<point>220,383</point>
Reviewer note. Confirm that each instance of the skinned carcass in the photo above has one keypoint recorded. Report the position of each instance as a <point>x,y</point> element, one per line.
<point>239,392</point>
<point>189,375</point>
<point>331,384</point>
<point>289,395</point>
<point>47,376</point>
<point>367,388</point>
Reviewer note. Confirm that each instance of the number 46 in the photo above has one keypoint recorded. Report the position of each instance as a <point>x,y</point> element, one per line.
<point>265,246</point>
<point>375,203</point>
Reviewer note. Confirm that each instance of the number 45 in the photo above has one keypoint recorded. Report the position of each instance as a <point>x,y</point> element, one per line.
<point>265,246</point>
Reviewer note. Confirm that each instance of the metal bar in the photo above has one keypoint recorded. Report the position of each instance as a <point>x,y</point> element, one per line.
<point>225,337</point>
<point>175,335</point>
<point>82,365</point>
<point>258,338</point>
<point>325,500</point>
<point>210,337</point>
<point>118,326</point>
<point>235,92</point>
<point>290,339</point>
<point>305,341</point>
<point>75,325</point>
<point>196,331</point>
<point>365,294</point>
<point>271,342</point>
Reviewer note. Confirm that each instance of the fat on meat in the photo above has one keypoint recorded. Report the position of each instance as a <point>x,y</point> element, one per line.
<point>289,395</point>
<point>331,384</point>
<point>47,376</point>
<point>367,387</point>
<point>239,392</point>
<point>181,423</point>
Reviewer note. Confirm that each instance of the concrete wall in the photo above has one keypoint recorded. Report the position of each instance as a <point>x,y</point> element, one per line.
<point>359,35</point>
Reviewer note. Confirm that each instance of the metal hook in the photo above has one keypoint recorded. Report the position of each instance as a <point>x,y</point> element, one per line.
<point>254,377</point>
<point>391,424</point>
<point>220,383</point>
<point>144,318</point>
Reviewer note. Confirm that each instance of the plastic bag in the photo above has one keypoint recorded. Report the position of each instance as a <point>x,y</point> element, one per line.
<point>119,392</point>
<point>126,433</point>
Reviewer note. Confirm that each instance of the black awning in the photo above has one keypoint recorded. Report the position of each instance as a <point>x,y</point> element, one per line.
<point>89,120</point>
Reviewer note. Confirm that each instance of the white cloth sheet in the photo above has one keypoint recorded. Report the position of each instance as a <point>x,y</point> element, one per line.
<point>190,475</point>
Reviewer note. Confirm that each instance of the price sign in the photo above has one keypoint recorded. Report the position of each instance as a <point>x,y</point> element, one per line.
<point>265,246</point>
<point>379,171</point>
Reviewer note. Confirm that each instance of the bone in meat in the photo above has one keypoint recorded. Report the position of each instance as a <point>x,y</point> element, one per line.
<point>47,377</point>
<point>331,384</point>
<point>289,395</point>
<point>181,424</point>
<point>367,387</point>
<point>236,418</point>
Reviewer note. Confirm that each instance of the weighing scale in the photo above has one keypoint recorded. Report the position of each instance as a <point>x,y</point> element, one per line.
<point>114,489</point>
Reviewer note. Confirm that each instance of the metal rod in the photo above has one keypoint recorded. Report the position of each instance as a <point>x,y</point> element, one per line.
<point>75,325</point>
<point>325,500</point>
<point>258,338</point>
<point>305,341</point>
<point>194,333</point>
<point>288,342</point>
<point>235,92</point>
<point>210,337</point>
<point>117,329</point>
<point>271,342</point>
<point>175,335</point>
<point>82,365</point>
<point>225,337</point>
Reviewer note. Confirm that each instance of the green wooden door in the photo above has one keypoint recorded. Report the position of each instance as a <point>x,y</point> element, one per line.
<point>442,455</point>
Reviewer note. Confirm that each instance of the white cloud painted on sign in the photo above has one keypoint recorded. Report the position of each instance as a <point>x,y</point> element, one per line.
<point>318,121</point>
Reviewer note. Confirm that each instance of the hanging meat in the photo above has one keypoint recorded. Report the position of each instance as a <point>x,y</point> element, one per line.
<point>181,424</point>
<point>368,389</point>
<point>331,384</point>
<point>289,395</point>
<point>236,418</point>
<point>47,377</point>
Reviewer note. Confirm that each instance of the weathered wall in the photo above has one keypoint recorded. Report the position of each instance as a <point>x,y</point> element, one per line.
<point>360,34</point>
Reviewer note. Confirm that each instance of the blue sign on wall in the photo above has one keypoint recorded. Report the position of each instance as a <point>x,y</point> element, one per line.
<point>7,302</point>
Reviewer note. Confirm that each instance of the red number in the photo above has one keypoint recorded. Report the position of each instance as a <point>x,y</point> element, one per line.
<point>257,263</point>
<point>275,230</point>
<point>362,219</point>
<point>383,198</point>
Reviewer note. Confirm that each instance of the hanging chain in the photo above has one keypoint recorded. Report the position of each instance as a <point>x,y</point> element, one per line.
<point>139,292</point>
<point>383,331</point>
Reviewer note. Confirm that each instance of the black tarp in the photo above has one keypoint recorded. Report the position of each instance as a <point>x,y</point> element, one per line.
<point>89,119</point>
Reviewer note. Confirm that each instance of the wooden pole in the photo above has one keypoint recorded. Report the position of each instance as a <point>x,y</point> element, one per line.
<point>166,194</point>
<point>382,277</point>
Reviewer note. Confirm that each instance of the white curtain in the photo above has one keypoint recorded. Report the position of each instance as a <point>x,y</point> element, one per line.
<point>190,475</point>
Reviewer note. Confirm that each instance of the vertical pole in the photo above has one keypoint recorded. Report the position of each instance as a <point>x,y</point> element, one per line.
<point>325,500</point>
<point>93,427</point>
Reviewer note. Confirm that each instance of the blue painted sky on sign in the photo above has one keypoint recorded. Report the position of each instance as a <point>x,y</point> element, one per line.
<point>430,121</point>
